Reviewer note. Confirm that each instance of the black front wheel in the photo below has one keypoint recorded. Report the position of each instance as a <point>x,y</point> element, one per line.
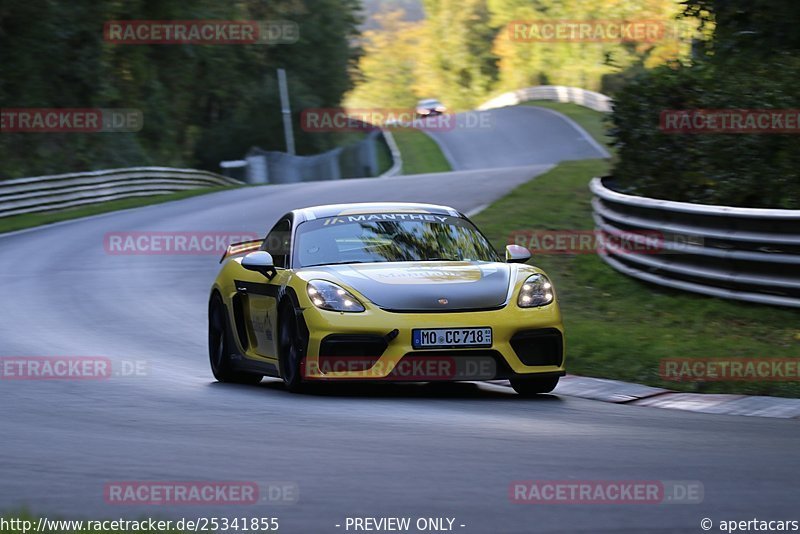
<point>529,387</point>
<point>292,349</point>
<point>219,347</point>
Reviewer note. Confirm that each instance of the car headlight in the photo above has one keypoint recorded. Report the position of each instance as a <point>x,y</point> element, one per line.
<point>328,296</point>
<point>536,291</point>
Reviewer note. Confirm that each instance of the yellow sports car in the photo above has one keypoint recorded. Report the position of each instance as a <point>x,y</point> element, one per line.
<point>383,291</point>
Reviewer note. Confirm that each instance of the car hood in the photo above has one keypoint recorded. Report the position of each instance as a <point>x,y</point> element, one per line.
<point>426,286</point>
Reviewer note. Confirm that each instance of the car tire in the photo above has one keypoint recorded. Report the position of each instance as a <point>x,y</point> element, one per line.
<point>291,348</point>
<point>530,387</point>
<point>219,346</point>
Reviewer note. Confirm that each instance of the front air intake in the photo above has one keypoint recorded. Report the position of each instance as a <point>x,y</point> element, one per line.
<point>543,347</point>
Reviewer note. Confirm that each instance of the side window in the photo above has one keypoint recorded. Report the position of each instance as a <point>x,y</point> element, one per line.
<point>278,241</point>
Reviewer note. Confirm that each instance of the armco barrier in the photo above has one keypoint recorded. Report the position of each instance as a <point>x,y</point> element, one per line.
<point>48,193</point>
<point>736,253</point>
<point>557,93</point>
<point>357,160</point>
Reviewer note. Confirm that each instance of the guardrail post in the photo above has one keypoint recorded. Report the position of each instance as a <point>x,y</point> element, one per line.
<point>257,169</point>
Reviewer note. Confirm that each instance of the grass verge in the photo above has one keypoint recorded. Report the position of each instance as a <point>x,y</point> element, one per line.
<point>621,328</point>
<point>420,153</point>
<point>385,161</point>
<point>29,220</point>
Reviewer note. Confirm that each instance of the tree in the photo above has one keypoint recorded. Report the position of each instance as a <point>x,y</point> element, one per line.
<point>387,68</point>
<point>748,27</point>
<point>578,63</point>
<point>457,63</point>
<point>201,103</point>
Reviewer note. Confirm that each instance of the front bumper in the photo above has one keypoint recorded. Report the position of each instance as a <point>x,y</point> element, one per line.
<point>376,345</point>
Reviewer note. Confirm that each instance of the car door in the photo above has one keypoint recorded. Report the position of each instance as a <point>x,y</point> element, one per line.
<point>259,295</point>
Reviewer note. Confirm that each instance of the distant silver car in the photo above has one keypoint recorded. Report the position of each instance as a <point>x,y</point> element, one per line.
<point>430,107</point>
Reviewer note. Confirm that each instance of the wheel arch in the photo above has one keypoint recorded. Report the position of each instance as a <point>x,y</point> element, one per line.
<point>288,297</point>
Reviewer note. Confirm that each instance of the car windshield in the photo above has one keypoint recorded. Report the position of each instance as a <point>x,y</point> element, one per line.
<point>389,237</point>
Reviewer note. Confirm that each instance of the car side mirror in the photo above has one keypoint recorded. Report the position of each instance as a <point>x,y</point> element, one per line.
<point>260,262</point>
<point>517,254</point>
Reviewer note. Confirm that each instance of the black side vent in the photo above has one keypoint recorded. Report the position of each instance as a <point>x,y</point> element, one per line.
<point>539,347</point>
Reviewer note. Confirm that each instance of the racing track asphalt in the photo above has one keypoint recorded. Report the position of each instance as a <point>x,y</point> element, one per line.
<point>409,450</point>
<point>516,135</point>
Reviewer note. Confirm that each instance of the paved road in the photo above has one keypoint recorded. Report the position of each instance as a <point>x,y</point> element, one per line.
<point>518,135</point>
<point>410,450</point>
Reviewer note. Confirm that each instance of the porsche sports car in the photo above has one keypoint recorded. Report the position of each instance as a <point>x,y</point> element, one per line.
<point>383,291</point>
<point>430,107</point>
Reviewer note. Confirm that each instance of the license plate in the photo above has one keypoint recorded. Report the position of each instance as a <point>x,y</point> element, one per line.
<point>433,338</point>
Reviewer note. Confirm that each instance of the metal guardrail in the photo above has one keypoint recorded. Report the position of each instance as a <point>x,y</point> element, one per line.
<point>736,253</point>
<point>557,93</point>
<point>49,193</point>
<point>356,160</point>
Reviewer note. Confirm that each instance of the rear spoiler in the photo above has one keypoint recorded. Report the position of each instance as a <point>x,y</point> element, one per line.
<point>244,247</point>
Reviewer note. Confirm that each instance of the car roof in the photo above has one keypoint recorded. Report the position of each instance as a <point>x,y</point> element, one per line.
<point>332,210</point>
<point>429,101</point>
